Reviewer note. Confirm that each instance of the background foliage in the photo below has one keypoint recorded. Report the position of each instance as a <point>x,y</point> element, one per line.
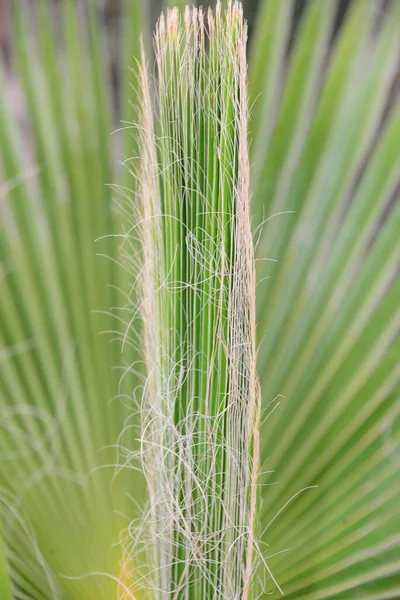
<point>326,167</point>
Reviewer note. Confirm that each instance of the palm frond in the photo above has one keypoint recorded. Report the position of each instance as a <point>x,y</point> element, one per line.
<point>329,306</point>
<point>326,172</point>
<point>57,377</point>
<point>200,405</point>
<point>5,583</point>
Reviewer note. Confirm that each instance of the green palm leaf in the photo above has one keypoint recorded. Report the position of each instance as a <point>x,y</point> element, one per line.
<point>326,168</point>
<point>59,374</point>
<point>5,583</point>
<point>328,310</point>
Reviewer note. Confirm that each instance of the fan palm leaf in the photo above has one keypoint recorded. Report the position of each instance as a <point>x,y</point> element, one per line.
<point>325,159</point>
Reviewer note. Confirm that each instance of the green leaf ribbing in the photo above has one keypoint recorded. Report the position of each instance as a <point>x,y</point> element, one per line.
<point>200,410</point>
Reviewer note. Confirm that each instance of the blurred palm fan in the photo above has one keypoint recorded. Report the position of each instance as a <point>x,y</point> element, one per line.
<point>325,131</point>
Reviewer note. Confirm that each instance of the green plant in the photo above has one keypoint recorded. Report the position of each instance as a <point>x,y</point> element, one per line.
<point>200,407</point>
<point>324,137</point>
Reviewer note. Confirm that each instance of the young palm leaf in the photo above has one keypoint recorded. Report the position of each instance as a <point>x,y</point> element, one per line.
<point>200,408</point>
